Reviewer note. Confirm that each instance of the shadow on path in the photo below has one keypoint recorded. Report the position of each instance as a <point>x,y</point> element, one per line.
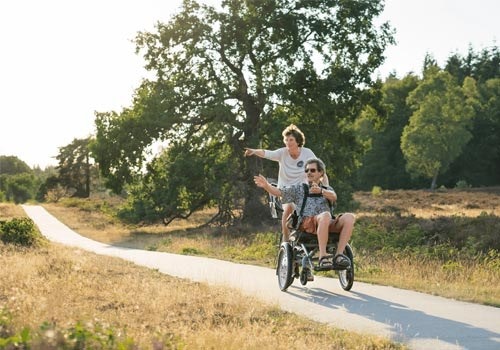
<point>405,323</point>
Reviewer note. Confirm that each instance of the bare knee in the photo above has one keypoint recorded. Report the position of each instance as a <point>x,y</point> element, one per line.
<point>348,219</point>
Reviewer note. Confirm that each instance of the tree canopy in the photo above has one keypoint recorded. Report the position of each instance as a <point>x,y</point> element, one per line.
<point>233,77</point>
<point>440,126</point>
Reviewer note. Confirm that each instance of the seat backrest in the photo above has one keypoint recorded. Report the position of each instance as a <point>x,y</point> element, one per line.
<point>275,205</point>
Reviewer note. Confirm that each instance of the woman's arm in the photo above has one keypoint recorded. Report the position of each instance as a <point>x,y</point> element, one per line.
<point>254,152</point>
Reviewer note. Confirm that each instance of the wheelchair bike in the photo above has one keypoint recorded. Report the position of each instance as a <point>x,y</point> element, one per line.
<point>298,258</point>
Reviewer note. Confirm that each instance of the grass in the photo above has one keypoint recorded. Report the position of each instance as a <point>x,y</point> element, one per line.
<point>389,241</point>
<point>476,280</point>
<point>77,294</point>
<point>54,297</point>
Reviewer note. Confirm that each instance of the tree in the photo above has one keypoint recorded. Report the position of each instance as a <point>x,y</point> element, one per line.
<point>484,67</point>
<point>17,182</point>
<point>21,187</point>
<point>11,165</point>
<point>75,168</point>
<point>384,163</point>
<point>223,77</point>
<point>439,127</point>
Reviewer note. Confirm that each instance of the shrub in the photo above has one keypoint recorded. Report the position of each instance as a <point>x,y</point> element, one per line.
<point>19,231</point>
<point>462,184</point>
<point>376,191</point>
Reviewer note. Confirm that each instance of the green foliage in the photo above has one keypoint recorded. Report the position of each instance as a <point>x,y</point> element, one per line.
<point>191,251</point>
<point>439,128</point>
<point>75,168</point>
<point>262,247</point>
<point>441,237</point>
<point>381,124</point>
<point>11,165</point>
<point>19,231</point>
<point>49,336</point>
<point>185,179</point>
<point>462,184</point>
<point>383,163</point>
<point>19,188</point>
<point>376,191</point>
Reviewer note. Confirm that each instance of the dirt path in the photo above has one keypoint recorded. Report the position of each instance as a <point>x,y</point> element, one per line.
<point>422,321</point>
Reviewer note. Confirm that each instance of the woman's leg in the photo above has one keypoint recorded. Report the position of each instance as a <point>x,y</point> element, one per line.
<point>287,210</point>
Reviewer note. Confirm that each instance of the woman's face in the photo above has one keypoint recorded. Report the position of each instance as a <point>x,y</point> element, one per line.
<point>290,142</point>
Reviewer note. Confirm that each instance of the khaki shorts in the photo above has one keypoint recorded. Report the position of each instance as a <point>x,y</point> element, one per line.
<point>309,224</point>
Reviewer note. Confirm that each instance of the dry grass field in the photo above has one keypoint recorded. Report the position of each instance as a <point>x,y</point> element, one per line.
<point>426,204</point>
<point>62,286</point>
<point>66,295</point>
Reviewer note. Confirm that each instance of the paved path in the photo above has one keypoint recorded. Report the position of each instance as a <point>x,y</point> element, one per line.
<point>420,320</point>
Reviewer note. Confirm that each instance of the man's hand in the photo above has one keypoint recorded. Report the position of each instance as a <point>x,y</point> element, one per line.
<point>314,188</point>
<point>260,181</point>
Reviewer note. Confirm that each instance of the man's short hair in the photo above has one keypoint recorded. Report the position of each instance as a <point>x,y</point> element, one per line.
<point>319,164</point>
<point>293,130</point>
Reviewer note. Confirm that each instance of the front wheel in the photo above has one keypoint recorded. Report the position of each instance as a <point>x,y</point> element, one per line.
<point>346,277</point>
<point>285,266</point>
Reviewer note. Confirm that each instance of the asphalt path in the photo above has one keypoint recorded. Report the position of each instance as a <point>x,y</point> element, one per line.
<point>419,320</point>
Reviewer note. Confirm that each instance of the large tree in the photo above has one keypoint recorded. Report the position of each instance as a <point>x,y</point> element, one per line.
<point>439,127</point>
<point>228,78</point>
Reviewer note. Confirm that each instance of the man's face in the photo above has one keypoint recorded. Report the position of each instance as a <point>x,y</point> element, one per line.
<point>313,175</point>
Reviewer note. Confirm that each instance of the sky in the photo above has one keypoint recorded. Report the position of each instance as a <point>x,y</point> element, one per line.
<point>63,60</point>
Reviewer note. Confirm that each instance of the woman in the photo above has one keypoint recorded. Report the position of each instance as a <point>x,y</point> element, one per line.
<point>291,159</point>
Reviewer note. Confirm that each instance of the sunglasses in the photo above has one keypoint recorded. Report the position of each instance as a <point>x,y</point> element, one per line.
<point>311,170</point>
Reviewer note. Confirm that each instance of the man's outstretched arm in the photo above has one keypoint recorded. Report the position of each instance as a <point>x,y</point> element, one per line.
<point>261,182</point>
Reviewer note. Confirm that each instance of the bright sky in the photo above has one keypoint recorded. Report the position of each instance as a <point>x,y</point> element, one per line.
<point>63,60</point>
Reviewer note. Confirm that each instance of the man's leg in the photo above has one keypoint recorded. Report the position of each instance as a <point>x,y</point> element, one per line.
<point>287,210</point>
<point>344,225</point>
<point>323,221</point>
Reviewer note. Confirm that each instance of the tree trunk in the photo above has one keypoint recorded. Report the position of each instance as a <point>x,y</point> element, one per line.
<point>254,209</point>
<point>434,181</point>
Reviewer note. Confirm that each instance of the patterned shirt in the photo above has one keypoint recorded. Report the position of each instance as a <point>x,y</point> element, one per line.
<point>315,204</point>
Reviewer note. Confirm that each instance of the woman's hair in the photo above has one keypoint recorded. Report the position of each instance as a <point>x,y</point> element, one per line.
<point>292,130</point>
<point>319,164</point>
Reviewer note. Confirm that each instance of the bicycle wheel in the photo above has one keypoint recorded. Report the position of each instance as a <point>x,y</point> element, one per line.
<point>285,266</point>
<point>346,277</point>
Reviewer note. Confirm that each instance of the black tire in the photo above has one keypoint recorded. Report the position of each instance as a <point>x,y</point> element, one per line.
<point>284,268</point>
<point>346,277</point>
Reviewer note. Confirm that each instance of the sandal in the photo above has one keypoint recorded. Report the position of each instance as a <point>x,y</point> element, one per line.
<point>340,260</point>
<point>324,262</point>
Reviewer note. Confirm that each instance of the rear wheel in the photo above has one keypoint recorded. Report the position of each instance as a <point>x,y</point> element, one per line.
<point>346,277</point>
<point>285,266</point>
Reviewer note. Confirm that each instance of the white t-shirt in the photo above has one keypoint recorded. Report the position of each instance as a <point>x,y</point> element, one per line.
<point>291,171</point>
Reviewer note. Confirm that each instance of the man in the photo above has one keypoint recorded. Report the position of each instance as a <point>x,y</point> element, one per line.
<point>317,218</point>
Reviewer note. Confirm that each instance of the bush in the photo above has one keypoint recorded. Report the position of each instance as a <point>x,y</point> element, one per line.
<point>376,191</point>
<point>19,231</point>
<point>462,184</point>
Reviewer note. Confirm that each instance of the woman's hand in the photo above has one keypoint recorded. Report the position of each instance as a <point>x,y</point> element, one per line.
<point>249,152</point>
